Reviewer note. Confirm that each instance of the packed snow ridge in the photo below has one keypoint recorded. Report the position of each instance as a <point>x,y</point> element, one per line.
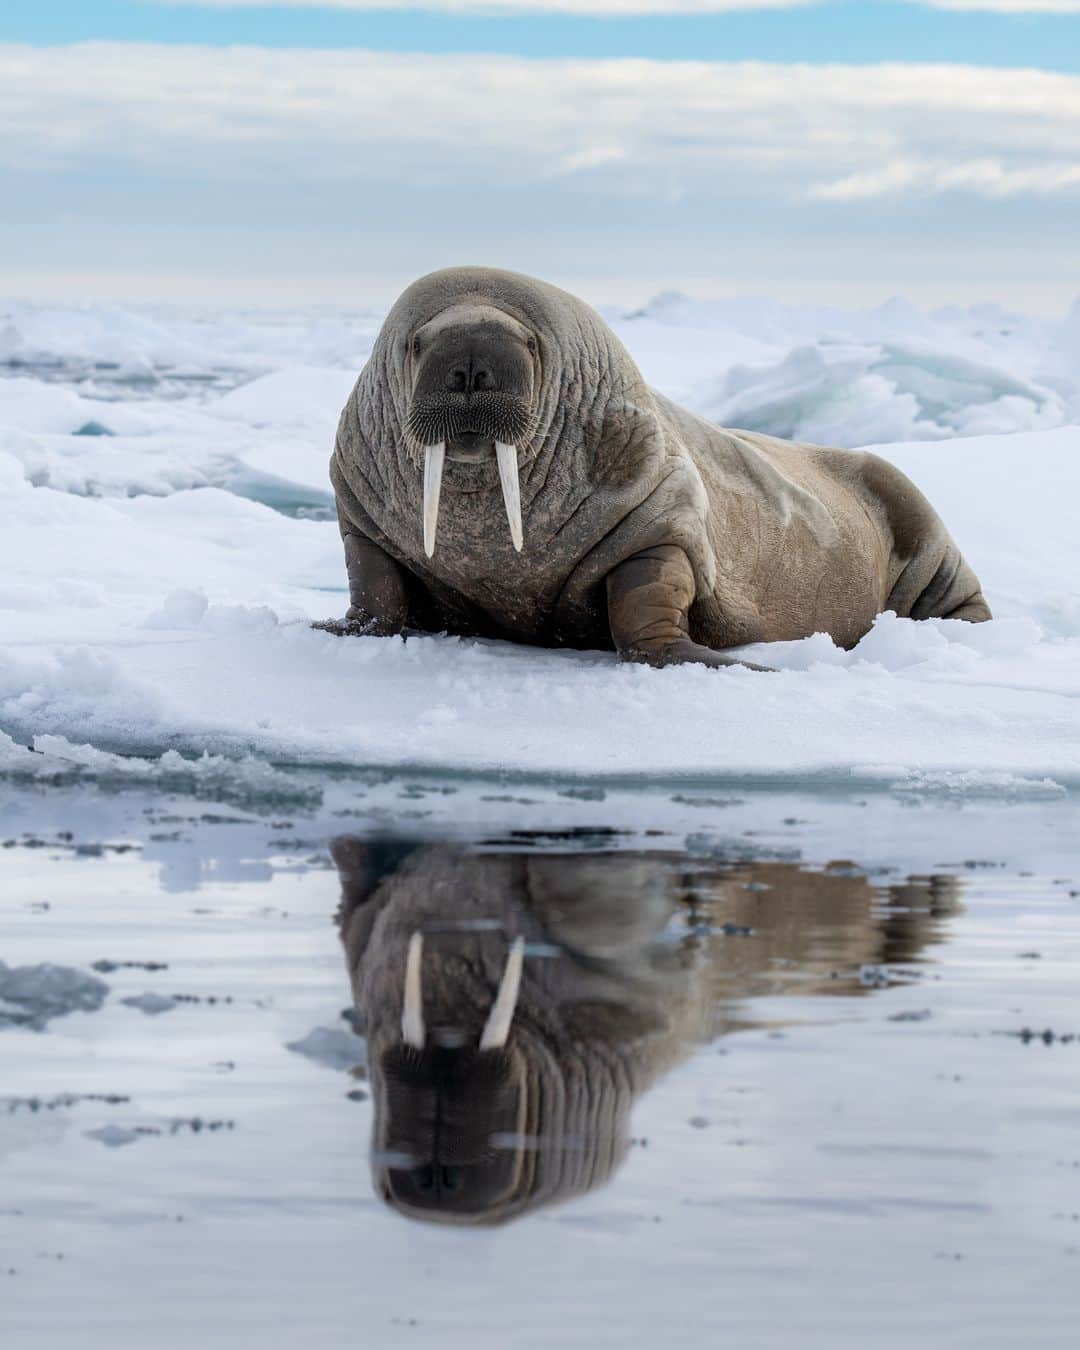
<point>166,533</point>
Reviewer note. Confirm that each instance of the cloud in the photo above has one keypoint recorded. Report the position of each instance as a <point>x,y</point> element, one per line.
<point>342,173</point>
<point>638,127</point>
<point>987,177</point>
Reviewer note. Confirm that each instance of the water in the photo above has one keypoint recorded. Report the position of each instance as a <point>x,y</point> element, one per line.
<point>786,1069</point>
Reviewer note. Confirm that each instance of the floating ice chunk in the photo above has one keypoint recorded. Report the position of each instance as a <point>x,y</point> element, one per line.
<point>151,1004</point>
<point>30,996</point>
<point>113,1136</point>
<point>332,1047</point>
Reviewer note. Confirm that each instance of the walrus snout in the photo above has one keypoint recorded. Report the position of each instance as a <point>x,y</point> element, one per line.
<point>442,1117</point>
<point>443,1097</point>
<point>474,374</point>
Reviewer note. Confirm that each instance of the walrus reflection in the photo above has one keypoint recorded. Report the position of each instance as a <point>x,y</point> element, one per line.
<point>500,1086</point>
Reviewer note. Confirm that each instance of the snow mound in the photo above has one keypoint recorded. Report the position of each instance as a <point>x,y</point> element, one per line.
<point>299,396</point>
<point>845,394</point>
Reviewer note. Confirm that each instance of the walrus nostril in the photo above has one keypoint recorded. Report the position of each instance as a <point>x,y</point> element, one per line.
<point>469,377</point>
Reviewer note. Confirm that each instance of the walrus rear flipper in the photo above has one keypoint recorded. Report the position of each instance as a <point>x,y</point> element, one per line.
<point>930,578</point>
<point>952,592</point>
<point>974,610</point>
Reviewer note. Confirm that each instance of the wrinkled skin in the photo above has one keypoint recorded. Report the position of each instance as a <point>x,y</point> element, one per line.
<point>609,1000</point>
<point>646,528</point>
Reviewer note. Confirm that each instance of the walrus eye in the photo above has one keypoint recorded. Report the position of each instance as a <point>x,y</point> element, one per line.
<point>416,346</point>
<point>531,344</point>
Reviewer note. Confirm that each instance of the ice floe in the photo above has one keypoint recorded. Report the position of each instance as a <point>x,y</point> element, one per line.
<point>164,544</point>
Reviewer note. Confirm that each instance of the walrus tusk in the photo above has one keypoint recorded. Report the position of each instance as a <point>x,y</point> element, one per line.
<point>412,1012</point>
<point>497,1027</point>
<point>434,456</point>
<point>508,476</point>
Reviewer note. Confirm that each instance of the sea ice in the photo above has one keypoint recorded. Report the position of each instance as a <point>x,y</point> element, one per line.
<point>156,583</point>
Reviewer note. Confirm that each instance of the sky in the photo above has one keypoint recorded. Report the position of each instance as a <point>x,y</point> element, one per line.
<point>328,151</point>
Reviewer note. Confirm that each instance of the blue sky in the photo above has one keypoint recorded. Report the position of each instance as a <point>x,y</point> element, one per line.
<point>218,150</point>
<point>862,31</point>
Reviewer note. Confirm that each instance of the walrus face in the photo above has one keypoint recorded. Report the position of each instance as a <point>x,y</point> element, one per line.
<point>449,1120</point>
<point>474,372</point>
<point>449,1112</point>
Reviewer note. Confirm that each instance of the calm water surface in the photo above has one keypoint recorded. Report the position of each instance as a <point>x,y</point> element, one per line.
<point>781,1069</point>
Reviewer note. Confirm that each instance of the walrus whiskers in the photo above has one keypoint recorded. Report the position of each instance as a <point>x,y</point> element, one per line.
<point>497,1027</point>
<point>511,490</point>
<point>434,455</point>
<point>412,1012</point>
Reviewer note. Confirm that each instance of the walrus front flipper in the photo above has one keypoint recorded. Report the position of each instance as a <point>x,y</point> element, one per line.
<point>649,598</point>
<point>378,596</point>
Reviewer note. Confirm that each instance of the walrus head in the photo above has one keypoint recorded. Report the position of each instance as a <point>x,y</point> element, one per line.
<point>474,1127</point>
<point>465,1135</point>
<point>474,371</point>
<point>448,1112</point>
<point>497,1074</point>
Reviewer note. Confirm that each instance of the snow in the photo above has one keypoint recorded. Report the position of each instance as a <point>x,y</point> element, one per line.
<point>849,378</point>
<point>166,534</point>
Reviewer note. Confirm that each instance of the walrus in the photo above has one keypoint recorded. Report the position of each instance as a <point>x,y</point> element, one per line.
<point>501,469</point>
<point>517,1003</point>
